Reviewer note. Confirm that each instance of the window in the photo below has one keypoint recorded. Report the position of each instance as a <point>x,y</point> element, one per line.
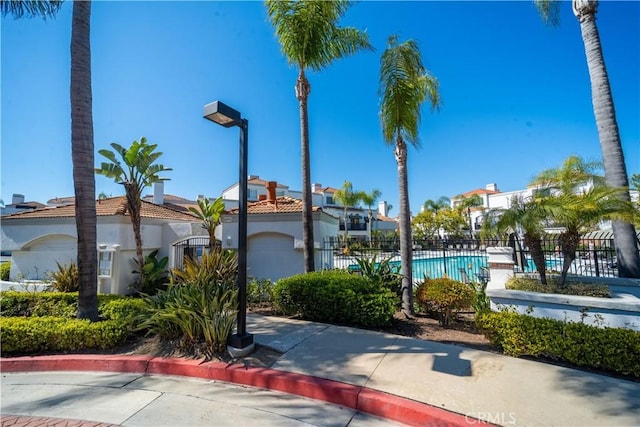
<point>252,194</point>
<point>105,263</point>
<point>329,200</point>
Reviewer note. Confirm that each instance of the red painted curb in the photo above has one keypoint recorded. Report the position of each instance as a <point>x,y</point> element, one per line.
<point>363,399</point>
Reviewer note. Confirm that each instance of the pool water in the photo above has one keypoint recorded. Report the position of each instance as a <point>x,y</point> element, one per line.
<point>450,267</point>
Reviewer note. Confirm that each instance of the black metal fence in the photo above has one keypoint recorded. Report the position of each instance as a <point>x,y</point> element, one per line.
<point>467,261</point>
<point>192,247</point>
<point>594,257</point>
<point>459,259</point>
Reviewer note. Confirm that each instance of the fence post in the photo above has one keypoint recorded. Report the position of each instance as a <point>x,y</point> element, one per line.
<point>500,266</point>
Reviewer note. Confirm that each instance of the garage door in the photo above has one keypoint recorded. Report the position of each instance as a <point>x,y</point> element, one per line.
<point>272,256</point>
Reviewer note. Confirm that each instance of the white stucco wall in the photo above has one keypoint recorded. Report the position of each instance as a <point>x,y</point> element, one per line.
<point>37,244</point>
<point>283,234</point>
<point>273,256</point>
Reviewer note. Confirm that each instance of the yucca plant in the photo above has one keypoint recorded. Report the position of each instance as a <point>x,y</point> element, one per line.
<point>66,278</point>
<point>197,313</point>
<point>381,271</point>
<point>218,266</point>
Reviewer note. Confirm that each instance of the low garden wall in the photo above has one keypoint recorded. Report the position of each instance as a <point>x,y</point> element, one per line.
<point>622,310</point>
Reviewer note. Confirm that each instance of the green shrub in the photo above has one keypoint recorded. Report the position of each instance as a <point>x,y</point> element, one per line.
<point>45,334</point>
<point>445,297</point>
<point>481,301</point>
<point>194,313</point>
<point>218,266</point>
<point>260,291</point>
<point>611,349</point>
<point>121,309</point>
<point>153,274</point>
<point>59,304</point>
<point>66,278</point>
<point>5,269</point>
<point>336,297</point>
<point>552,287</point>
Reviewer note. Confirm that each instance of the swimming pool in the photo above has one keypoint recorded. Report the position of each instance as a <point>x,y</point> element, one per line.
<point>452,267</point>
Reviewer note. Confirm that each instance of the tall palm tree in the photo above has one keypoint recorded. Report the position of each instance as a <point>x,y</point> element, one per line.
<point>310,38</point>
<point>612,155</point>
<point>81,142</point>
<point>370,199</point>
<point>136,172</point>
<point>347,197</point>
<point>405,85</point>
<point>210,214</point>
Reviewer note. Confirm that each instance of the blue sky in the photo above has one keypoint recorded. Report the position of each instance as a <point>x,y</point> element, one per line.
<point>516,96</point>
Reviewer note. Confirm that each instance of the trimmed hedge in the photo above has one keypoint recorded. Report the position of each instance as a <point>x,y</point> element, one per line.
<point>336,297</point>
<point>43,334</point>
<point>611,349</point>
<point>34,322</point>
<point>58,304</point>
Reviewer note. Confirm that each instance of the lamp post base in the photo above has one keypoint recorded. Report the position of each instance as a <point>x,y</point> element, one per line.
<point>240,345</point>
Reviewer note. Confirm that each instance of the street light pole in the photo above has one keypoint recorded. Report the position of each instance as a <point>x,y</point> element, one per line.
<point>240,343</point>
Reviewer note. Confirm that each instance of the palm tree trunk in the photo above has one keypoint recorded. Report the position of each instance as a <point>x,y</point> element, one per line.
<point>537,255</point>
<point>370,224</point>
<point>612,155</point>
<point>569,241</point>
<point>134,205</point>
<point>83,160</point>
<point>303,88</point>
<point>406,249</point>
<point>346,228</point>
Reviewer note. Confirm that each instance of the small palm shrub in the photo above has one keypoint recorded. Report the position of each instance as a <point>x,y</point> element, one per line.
<point>216,266</point>
<point>66,278</point>
<point>336,297</point>
<point>195,313</point>
<point>5,269</point>
<point>445,297</point>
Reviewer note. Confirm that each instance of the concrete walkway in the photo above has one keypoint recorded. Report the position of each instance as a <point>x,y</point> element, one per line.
<point>409,381</point>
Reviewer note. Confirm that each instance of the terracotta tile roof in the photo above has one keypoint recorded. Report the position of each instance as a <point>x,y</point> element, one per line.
<point>174,202</point>
<point>283,204</point>
<point>105,207</point>
<point>28,205</point>
<point>62,201</point>
<point>329,190</point>
<point>386,218</point>
<point>263,182</point>
<point>478,191</point>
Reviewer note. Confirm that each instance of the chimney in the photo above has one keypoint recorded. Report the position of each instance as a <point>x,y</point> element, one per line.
<point>271,190</point>
<point>17,199</point>
<point>316,187</point>
<point>382,208</point>
<point>158,192</point>
<point>491,187</point>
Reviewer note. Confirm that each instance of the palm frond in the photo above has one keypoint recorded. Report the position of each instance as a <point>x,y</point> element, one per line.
<point>19,8</point>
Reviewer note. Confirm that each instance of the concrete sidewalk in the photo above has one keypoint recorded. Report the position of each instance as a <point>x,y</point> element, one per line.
<point>478,384</point>
<point>411,381</point>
